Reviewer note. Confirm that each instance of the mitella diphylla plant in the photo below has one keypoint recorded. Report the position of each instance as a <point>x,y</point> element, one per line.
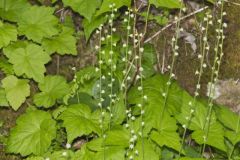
<point>120,107</point>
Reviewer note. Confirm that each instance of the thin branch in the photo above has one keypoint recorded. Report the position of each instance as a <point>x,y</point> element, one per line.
<point>237,4</point>
<point>174,22</point>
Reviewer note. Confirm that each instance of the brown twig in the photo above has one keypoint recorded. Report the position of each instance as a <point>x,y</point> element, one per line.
<point>174,22</point>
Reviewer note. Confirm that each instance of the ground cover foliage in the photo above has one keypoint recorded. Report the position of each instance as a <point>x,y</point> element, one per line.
<point>120,107</point>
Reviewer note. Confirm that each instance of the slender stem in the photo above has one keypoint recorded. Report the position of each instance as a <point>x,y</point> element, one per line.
<point>193,106</point>
<point>175,47</point>
<point>219,44</point>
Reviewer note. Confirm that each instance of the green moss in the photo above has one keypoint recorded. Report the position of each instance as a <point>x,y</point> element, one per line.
<point>231,66</point>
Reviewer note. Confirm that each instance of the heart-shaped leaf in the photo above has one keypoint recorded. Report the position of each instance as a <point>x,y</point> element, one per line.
<point>33,133</point>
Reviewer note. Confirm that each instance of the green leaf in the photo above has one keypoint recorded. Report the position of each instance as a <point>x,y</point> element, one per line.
<point>149,60</point>
<point>167,135</point>
<point>153,88</point>
<point>115,152</point>
<point>89,27</point>
<point>234,137</point>
<point>215,136</point>
<point>35,158</point>
<point>64,43</point>
<point>78,121</point>
<point>146,150</point>
<point>6,67</point>
<point>117,137</point>
<point>11,9</point>
<point>86,74</point>
<point>51,1</point>
<point>118,4</point>
<point>52,88</point>
<point>189,158</point>
<point>60,155</point>
<point>166,3</point>
<point>199,126</point>
<point>161,20</point>
<point>111,153</point>
<point>38,23</point>
<point>118,111</point>
<point>16,91</point>
<point>86,8</point>
<point>84,154</point>
<point>8,33</point>
<point>28,59</point>
<point>230,119</point>
<point>3,98</point>
<point>33,133</point>
<point>56,155</point>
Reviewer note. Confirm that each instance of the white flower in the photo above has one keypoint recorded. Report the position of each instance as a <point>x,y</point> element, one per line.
<point>96,47</point>
<point>64,153</point>
<point>205,39</point>
<point>192,110</point>
<point>133,118</point>
<point>164,94</point>
<point>104,136</point>
<point>198,86</point>
<point>136,152</point>
<point>131,146</point>
<point>225,25</point>
<point>176,47</point>
<point>68,145</point>
<point>145,97</point>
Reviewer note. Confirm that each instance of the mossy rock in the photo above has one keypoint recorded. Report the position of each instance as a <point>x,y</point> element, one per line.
<point>231,61</point>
